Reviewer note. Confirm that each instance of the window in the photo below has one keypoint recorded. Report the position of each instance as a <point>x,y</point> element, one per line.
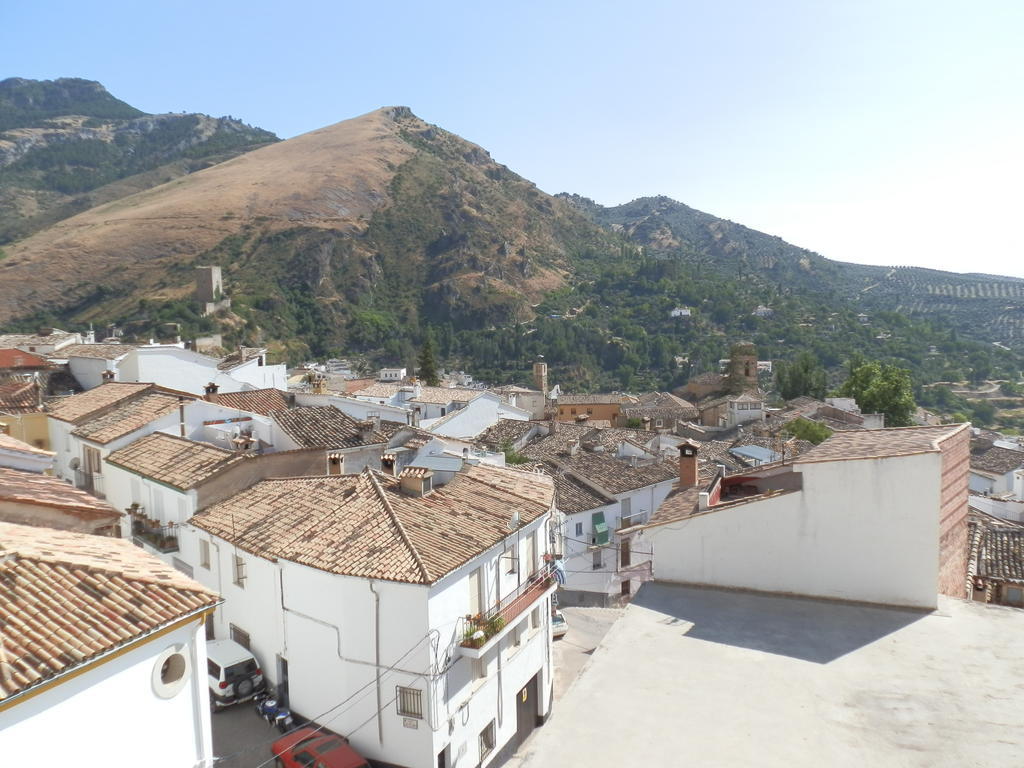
<point>240,636</point>
<point>1014,596</point>
<point>487,740</point>
<point>598,559</point>
<point>238,571</point>
<point>535,618</point>
<point>579,529</point>
<point>410,701</point>
<point>204,554</point>
<point>479,668</point>
<point>590,411</point>
<point>658,423</point>
<point>573,411</point>
<point>212,669</point>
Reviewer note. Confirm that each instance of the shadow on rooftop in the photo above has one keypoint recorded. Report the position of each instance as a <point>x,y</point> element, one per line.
<point>813,630</point>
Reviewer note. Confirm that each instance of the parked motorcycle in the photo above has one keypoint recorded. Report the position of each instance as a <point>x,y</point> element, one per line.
<point>275,714</point>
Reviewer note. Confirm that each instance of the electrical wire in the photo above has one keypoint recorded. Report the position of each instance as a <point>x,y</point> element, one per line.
<point>341,703</point>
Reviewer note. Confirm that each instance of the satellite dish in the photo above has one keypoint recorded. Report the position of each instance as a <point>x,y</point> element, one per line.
<point>75,463</point>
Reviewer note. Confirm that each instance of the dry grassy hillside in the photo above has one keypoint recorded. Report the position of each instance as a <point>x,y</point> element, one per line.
<point>334,178</point>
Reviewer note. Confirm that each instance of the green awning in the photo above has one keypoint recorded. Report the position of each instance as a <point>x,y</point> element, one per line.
<point>600,528</point>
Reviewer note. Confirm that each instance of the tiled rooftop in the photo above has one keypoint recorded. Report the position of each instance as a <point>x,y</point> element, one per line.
<point>239,356</point>
<point>997,548</point>
<point>67,598</point>
<point>505,430</point>
<point>879,443</point>
<point>49,491</point>
<point>618,475</point>
<point>126,417</point>
<point>98,351</point>
<point>19,397</point>
<point>78,407</point>
<point>173,460</point>
<point>998,460</point>
<point>324,427</point>
<point>261,401</point>
<point>596,399</point>
<point>34,339</point>
<point>8,443</point>
<point>363,525</point>
<point>16,358</point>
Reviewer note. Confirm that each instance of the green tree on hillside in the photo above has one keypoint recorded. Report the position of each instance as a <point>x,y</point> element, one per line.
<point>880,388</point>
<point>427,363</point>
<point>804,376</point>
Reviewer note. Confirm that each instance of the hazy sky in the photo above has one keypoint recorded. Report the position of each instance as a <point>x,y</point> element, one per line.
<point>879,132</point>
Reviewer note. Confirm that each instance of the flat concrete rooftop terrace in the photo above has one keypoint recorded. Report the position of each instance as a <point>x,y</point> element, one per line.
<point>707,677</point>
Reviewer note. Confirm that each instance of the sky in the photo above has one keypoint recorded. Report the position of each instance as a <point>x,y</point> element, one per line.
<point>873,132</point>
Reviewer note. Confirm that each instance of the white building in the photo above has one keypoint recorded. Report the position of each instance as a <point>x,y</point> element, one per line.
<point>358,409</point>
<point>391,374</point>
<point>681,312</point>
<point>993,471</point>
<point>112,680</point>
<point>16,454</point>
<point>172,366</point>
<point>46,342</point>
<point>875,516</point>
<point>84,428</point>
<point>354,593</point>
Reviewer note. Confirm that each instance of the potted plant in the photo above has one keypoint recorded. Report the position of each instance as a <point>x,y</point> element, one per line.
<point>495,624</point>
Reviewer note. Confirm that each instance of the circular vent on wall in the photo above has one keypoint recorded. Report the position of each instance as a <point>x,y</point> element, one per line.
<point>170,671</point>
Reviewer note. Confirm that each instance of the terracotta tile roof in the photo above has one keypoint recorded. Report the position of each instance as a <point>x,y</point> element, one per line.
<point>678,505</point>
<point>49,491</point>
<point>560,438</point>
<point>324,427</point>
<point>618,475</point>
<point>571,494</point>
<point>511,430</point>
<point>19,397</point>
<point>363,525</point>
<point>378,389</point>
<point>34,339</point>
<point>261,401</point>
<point>997,460</point>
<point>97,351</point>
<point>997,549</point>
<point>79,407</point>
<point>879,443</point>
<point>707,379</point>
<point>239,356</point>
<point>8,443</point>
<point>597,399</point>
<point>66,598</point>
<point>173,460</point>
<point>16,358</point>
<point>126,417</point>
<point>444,395</point>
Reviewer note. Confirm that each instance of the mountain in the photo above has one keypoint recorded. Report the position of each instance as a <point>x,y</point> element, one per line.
<point>360,237</point>
<point>349,234</point>
<point>985,307</point>
<point>68,145</point>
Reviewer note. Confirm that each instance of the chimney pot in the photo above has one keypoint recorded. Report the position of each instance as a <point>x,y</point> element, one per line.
<point>688,474</point>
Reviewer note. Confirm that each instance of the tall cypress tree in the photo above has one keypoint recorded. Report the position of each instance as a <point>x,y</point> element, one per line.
<point>427,363</point>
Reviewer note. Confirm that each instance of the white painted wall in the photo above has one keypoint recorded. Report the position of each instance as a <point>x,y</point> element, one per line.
<point>110,715</point>
<point>478,414</point>
<point>325,626</point>
<point>984,483</point>
<point>357,409</point>
<point>27,462</point>
<point>859,530</point>
<point>88,371</point>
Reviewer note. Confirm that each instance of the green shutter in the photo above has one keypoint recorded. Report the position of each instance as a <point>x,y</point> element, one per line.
<point>600,528</point>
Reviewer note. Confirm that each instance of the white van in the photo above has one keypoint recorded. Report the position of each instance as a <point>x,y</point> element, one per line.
<point>232,672</point>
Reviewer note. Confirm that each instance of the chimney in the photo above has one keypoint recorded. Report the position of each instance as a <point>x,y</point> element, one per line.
<point>211,390</point>
<point>108,375</point>
<point>647,423</point>
<point>688,451</point>
<point>366,429</point>
<point>417,482</point>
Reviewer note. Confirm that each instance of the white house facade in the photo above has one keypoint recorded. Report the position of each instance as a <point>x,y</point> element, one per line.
<point>426,639</point>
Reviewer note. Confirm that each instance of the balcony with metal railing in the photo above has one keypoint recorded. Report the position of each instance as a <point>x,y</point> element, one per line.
<point>163,538</point>
<point>90,482</point>
<point>481,632</point>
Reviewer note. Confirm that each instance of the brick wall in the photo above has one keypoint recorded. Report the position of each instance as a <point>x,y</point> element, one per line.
<point>956,452</point>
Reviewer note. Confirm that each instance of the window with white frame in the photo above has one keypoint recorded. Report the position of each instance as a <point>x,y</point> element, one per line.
<point>487,740</point>
<point>238,571</point>
<point>579,529</point>
<point>410,701</point>
<point>204,553</point>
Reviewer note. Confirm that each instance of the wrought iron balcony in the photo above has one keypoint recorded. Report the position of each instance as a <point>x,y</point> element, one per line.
<point>163,538</point>
<point>479,631</point>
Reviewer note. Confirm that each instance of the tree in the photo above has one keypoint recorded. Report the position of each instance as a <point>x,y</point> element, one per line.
<point>427,363</point>
<point>879,388</point>
<point>804,376</point>
<point>811,431</point>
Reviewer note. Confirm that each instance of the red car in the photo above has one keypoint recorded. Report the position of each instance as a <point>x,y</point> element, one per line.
<point>310,748</point>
